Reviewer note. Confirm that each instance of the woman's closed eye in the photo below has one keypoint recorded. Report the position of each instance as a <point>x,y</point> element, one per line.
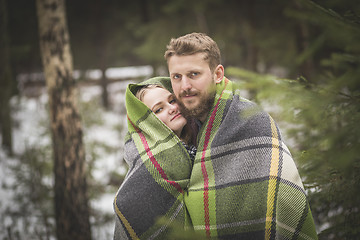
<point>158,110</point>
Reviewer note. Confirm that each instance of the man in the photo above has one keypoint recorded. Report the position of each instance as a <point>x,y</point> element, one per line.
<point>244,183</point>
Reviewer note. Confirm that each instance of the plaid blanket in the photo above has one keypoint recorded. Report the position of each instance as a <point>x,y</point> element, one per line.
<point>159,172</point>
<point>243,185</point>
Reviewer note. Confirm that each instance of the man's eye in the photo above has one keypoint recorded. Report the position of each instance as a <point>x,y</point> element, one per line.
<point>194,74</point>
<point>176,76</point>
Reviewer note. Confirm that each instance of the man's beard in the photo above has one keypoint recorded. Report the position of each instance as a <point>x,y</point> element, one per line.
<point>202,109</point>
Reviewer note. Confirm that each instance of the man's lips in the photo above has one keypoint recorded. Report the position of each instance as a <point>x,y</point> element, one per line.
<point>176,116</point>
<point>188,94</point>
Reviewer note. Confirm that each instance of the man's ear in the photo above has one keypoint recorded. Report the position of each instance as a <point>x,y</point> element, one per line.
<point>219,73</point>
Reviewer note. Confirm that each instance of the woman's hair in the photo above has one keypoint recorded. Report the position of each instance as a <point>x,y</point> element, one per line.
<point>140,92</point>
<point>186,133</point>
<point>193,43</point>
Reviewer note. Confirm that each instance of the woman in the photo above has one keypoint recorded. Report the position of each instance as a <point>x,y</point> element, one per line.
<point>163,103</point>
<point>151,198</point>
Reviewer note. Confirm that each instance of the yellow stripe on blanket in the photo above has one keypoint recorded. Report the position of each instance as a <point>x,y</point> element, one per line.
<point>126,223</point>
<point>272,179</point>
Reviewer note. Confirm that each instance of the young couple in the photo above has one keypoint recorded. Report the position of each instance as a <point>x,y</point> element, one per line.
<point>203,159</point>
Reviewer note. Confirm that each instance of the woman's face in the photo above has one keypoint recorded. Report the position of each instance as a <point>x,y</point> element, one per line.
<point>165,107</point>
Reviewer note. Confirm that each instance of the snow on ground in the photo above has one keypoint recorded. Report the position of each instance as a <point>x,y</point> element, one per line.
<point>103,140</point>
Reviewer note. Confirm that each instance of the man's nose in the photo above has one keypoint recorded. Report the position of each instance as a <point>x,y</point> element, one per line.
<point>185,84</point>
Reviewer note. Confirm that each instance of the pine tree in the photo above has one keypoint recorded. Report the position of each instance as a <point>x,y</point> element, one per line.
<point>322,117</point>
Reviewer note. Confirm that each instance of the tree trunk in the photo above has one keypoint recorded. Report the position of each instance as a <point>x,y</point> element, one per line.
<point>101,50</point>
<point>302,43</point>
<point>5,81</point>
<point>104,94</point>
<point>251,47</point>
<point>71,202</point>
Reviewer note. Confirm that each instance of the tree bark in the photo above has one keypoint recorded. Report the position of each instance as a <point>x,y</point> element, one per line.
<point>101,49</point>
<point>302,43</point>
<point>5,80</point>
<point>71,202</point>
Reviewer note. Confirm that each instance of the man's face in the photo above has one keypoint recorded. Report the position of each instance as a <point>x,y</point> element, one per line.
<point>194,83</point>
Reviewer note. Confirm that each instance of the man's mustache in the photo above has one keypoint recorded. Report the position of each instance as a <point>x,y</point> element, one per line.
<point>186,93</point>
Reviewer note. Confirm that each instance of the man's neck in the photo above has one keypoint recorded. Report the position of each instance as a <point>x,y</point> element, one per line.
<point>198,123</point>
<point>202,119</point>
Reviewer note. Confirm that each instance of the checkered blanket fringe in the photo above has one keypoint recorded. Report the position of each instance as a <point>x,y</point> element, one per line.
<point>243,184</point>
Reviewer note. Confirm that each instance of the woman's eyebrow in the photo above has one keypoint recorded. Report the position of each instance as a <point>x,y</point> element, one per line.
<point>160,102</point>
<point>171,95</point>
<point>155,105</point>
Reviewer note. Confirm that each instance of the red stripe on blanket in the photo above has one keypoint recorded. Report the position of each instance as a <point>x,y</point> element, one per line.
<point>153,160</point>
<point>203,166</point>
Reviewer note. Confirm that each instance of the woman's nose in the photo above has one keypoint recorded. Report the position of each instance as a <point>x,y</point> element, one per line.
<point>173,108</point>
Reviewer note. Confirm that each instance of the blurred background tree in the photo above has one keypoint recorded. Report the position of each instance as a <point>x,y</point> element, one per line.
<point>72,212</point>
<point>321,113</point>
<point>329,113</point>
<point>300,59</point>
<point>6,86</point>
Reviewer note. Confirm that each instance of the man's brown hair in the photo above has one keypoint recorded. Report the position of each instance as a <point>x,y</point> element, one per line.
<point>193,43</point>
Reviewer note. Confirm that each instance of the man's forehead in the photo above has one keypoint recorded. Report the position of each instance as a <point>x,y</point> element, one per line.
<point>187,63</point>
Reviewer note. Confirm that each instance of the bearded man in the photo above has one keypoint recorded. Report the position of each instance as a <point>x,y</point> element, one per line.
<point>244,183</point>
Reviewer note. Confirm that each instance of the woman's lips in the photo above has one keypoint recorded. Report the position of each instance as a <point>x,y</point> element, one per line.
<point>176,116</point>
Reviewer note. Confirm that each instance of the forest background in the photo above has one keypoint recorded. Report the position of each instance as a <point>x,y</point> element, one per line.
<point>299,59</point>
